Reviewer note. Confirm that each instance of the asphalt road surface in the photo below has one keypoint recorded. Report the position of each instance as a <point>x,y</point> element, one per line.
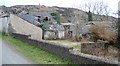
<point>11,56</point>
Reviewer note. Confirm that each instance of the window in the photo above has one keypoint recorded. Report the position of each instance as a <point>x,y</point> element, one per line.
<point>38,18</point>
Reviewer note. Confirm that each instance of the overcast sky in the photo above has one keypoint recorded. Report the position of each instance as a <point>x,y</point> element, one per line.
<point>113,4</point>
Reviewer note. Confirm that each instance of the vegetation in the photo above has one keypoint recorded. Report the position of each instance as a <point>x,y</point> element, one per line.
<point>101,32</point>
<point>75,45</point>
<point>36,54</point>
<point>90,18</point>
<point>56,16</point>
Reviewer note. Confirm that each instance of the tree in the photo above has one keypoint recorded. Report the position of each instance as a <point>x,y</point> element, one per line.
<point>56,16</point>
<point>96,7</point>
<point>90,18</point>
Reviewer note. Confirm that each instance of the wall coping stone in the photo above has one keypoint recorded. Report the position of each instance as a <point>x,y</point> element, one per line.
<point>93,57</point>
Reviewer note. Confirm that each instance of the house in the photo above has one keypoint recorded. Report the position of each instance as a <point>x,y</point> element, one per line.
<point>69,30</point>
<point>75,29</point>
<point>44,20</point>
<point>15,24</point>
<point>54,31</point>
<point>3,9</point>
<point>4,20</point>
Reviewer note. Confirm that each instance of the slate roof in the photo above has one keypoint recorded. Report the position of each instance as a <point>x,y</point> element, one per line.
<point>67,24</point>
<point>31,17</point>
<point>56,27</point>
<point>43,14</point>
<point>28,17</point>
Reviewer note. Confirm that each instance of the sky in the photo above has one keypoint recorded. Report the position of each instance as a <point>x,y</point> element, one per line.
<point>112,4</point>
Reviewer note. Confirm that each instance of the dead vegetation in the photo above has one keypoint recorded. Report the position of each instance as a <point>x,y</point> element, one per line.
<point>101,32</point>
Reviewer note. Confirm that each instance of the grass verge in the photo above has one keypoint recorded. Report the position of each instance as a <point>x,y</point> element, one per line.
<point>34,53</point>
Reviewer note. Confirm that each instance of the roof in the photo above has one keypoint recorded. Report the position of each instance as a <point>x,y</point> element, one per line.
<point>67,23</point>
<point>28,17</point>
<point>44,14</point>
<point>56,27</point>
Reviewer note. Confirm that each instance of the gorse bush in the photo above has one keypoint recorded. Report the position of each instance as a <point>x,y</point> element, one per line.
<point>101,32</point>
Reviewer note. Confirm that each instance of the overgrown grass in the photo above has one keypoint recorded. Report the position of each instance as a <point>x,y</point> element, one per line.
<point>34,53</point>
<point>75,45</point>
<point>65,42</point>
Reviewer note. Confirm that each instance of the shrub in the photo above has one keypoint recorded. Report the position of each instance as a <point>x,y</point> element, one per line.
<point>100,31</point>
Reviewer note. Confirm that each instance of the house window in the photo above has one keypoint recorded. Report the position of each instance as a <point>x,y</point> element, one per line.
<point>46,18</point>
<point>38,18</point>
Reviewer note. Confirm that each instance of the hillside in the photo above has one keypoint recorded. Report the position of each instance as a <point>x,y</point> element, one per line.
<point>70,15</point>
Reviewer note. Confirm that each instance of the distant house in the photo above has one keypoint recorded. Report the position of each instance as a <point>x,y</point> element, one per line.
<point>69,29</point>
<point>44,20</point>
<point>4,21</point>
<point>54,32</point>
<point>73,29</point>
<point>3,9</point>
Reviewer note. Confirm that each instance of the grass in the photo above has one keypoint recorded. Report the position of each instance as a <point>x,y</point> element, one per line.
<point>34,53</point>
<point>65,42</point>
<point>75,45</point>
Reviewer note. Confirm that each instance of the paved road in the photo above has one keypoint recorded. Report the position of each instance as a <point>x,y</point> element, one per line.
<point>11,56</point>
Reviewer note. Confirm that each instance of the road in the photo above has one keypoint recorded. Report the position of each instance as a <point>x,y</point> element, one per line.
<point>11,56</point>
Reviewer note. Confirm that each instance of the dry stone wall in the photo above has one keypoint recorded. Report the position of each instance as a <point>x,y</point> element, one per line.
<point>66,52</point>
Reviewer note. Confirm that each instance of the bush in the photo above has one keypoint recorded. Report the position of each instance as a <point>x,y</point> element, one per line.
<point>103,33</point>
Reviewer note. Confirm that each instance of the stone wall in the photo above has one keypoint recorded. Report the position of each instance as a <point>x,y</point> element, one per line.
<point>55,48</point>
<point>92,47</point>
<point>66,52</point>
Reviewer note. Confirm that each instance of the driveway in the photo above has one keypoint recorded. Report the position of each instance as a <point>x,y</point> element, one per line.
<point>11,56</point>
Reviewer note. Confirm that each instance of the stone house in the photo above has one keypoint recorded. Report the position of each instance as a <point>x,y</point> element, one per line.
<point>46,20</point>
<point>4,20</point>
<point>15,24</point>
<point>75,29</point>
<point>54,32</point>
<point>69,30</point>
<point>3,10</point>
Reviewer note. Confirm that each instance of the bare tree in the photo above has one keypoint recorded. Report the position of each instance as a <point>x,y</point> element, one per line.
<point>97,7</point>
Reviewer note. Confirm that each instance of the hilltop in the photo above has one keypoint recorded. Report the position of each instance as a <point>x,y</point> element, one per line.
<point>71,15</point>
